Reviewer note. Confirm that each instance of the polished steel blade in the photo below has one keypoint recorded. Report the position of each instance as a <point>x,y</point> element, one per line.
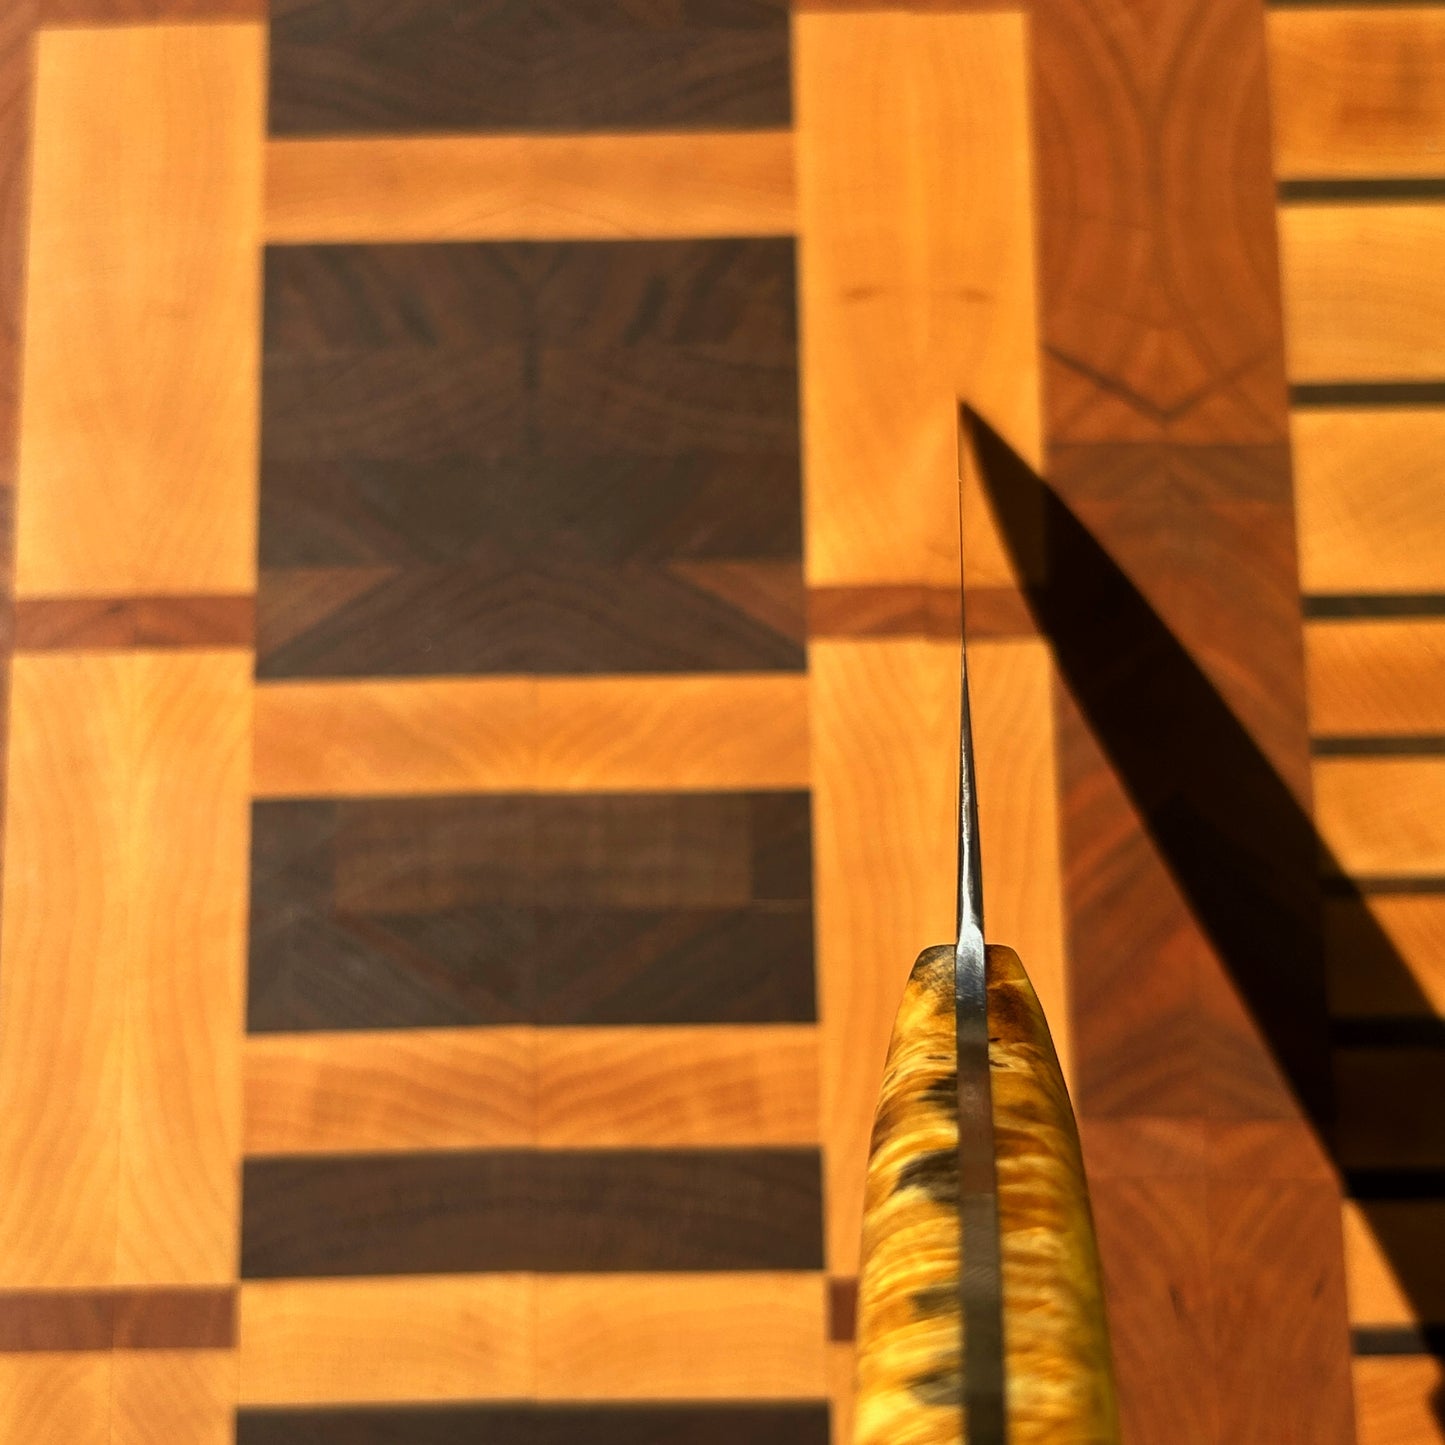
<point>980,1280</point>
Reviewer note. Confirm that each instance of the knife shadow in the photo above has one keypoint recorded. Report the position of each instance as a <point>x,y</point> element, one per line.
<point>1240,846</point>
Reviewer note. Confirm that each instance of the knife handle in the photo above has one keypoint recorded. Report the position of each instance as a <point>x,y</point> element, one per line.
<point>1059,1387</point>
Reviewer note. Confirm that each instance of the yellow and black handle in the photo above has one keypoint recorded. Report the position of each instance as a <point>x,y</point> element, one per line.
<point>1058,1378</point>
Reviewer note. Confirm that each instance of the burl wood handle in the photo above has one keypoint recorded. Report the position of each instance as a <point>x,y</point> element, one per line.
<point>1059,1380</point>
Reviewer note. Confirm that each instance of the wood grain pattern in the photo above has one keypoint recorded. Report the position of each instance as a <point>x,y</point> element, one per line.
<point>1395,1401</point>
<point>128,768</point>
<point>16,99</point>
<point>553,1212</point>
<point>55,1399</point>
<point>610,1423</point>
<point>1415,928</point>
<point>1011,696</point>
<point>554,458</point>
<point>451,735</point>
<point>1408,1229</point>
<point>1357,91</point>
<point>136,1319</point>
<point>508,188</point>
<point>617,734</point>
<point>906,610</point>
<point>586,1337</point>
<point>657,908</point>
<point>917,282</point>
<point>1364,298</point>
<point>163,1396</point>
<point>544,67</point>
<point>885,722</point>
<point>363,1092</point>
<point>563,1088</point>
<point>677,1087</point>
<point>165,312</point>
<point>324,739</point>
<point>312,1341</point>
<point>74,623</point>
<point>755,1336</point>
<point>1156,1185</point>
<point>1367,488</point>
<point>1379,677</point>
<point>1162,323</point>
<point>146,12</point>
<point>1159,300</point>
<point>1382,815</point>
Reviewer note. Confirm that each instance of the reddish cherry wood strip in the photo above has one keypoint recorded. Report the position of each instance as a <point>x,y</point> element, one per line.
<point>907,610</point>
<point>123,1319</point>
<point>1167,435</point>
<point>48,623</point>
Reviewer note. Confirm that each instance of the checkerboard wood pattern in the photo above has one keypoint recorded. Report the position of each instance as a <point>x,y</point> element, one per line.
<point>480,508</point>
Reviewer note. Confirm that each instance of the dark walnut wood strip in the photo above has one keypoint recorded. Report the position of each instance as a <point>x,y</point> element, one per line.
<point>122,1319</point>
<point>604,65</point>
<point>387,913</point>
<point>79,623</point>
<point>905,610</point>
<point>663,1210</point>
<point>1059,1381</point>
<point>722,1423</point>
<point>570,457</point>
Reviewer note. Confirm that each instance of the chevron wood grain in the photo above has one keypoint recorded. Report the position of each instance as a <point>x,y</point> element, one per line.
<point>555,1088</point>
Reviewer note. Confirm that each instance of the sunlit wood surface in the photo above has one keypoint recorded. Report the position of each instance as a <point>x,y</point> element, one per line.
<point>480,536</point>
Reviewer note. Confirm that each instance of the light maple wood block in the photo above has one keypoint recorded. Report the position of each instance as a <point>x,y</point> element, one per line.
<point>122,966</point>
<point>186,867</point>
<point>885,739</point>
<point>55,1399</point>
<point>620,734</point>
<point>533,187</point>
<point>1415,926</point>
<point>1383,815</point>
<point>430,1337</point>
<point>318,739</point>
<point>713,1086</point>
<point>1376,1297</point>
<point>916,281</point>
<point>1376,677</point>
<point>1395,1400</point>
<point>710,1087</point>
<point>1364,291</point>
<point>1011,692</point>
<point>137,470</point>
<point>456,735</point>
<point>681,1337</point>
<point>173,1397</point>
<point>63,957</point>
<point>1369,505</point>
<point>394,1089</point>
<point>1357,91</point>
